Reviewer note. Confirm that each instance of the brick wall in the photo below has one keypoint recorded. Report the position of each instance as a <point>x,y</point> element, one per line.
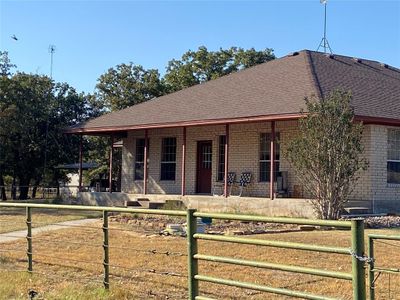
<point>243,156</point>
<point>385,197</point>
<point>361,195</point>
<point>371,189</point>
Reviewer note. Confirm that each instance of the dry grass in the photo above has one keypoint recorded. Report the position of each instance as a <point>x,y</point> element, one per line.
<point>13,219</point>
<point>66,279</point>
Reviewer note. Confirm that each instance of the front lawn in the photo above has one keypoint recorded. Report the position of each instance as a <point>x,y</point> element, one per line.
<point>69,266</point>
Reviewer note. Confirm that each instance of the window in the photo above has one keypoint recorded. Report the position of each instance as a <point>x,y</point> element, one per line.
<point>139,159</point>
<point>221,158</point>
<point>265,157</point>
<point>393,160</point>
<point>168,158</point>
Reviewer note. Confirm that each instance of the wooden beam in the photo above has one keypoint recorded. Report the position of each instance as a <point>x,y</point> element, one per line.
<point>183,177</point>
<point>146,144</point>
<point>226,162</point>
<point>110,163</point>
<point>80,162</point>
<point>272,160</point>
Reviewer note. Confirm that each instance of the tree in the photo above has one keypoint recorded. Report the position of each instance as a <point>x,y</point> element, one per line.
<point>5,72</point>
<point>34,111</point>
<point>327,155</point>
<point>128,84</point>
<point>202,65</point>
<point>5,64</point>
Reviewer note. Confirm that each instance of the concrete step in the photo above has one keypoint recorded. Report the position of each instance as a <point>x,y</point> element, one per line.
<point>143,203</point>
<point>132,203</point>
<point>363,216</point>
<point>357,210</point>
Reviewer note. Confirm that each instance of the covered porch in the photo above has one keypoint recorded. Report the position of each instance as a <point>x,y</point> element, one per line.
<point>241,158</point>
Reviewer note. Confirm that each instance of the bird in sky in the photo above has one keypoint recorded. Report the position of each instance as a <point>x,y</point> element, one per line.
<point>14,37</point>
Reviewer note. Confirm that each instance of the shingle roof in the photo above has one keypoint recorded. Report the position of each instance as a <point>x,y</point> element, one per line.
<point>273,88</point>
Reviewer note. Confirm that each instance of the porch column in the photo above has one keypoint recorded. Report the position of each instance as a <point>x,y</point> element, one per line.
<point>146,141</point>
<point>183,188</point>
<point>80,162</point>
<point>226,160</point>
<point>111,163</point>
<point>272,160</point>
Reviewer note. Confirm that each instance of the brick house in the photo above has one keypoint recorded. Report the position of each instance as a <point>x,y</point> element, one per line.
<point>185,143</point>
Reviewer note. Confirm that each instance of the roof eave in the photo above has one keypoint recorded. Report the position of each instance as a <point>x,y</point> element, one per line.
<point>378,120</point>
<point>105,129</point>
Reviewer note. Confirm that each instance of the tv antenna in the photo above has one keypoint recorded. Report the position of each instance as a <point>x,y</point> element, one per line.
<point>52,49</point>
<point>324,42</point>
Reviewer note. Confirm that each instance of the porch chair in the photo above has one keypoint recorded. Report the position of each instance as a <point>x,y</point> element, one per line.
<point>231,182</point>
<point>244,181</point>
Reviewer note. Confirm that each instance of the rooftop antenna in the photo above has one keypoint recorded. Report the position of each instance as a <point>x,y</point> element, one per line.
<point>324,42</point>
<point>52,49</point>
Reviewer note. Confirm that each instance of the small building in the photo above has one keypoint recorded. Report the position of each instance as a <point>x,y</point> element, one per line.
<point>190,144</point>
<point>70,186</point>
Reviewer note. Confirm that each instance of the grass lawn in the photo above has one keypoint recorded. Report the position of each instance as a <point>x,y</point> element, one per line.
<point>12,219</point>
<point>69,270</point>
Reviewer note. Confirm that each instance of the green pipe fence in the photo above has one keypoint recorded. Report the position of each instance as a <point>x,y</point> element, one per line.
<point>357,252</point>
<point>106,262</point>
<point>193,284</point>
<point>372,269</point>
<point>357,276</point>
<point>261,288</point>
<point>29,250</point>
<point>268,243</point>
<point>279,267</point>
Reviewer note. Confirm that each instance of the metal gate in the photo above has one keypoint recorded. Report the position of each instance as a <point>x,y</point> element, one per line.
<point>375,272</point>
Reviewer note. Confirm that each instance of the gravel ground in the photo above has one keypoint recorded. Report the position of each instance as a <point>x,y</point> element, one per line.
<point>157,224</point>
<point>383,222</point>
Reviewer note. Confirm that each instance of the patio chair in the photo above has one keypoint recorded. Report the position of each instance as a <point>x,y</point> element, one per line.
<point>231,182</point>
<point>244,181</point>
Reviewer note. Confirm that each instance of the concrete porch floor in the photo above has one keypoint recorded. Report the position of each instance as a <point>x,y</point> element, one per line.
<point>234,204</point>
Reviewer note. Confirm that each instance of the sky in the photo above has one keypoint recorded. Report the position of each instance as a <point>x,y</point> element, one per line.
<point>92,36</point>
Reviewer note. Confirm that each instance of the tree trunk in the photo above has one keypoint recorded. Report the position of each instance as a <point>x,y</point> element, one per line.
<point>13,190</point>
<point>35,186</point>
<point>34,189</point>
<point>3,195</point>
<point>24,188</point>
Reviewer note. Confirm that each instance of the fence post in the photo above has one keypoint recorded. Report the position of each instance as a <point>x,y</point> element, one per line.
<point>357,246</point>
<point>371,275</point>
<point>106,265</point>
<point>193,284</point>
<point>29,237</point>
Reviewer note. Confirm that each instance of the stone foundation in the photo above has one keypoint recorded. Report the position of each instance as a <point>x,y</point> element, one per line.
<point>262,206</point>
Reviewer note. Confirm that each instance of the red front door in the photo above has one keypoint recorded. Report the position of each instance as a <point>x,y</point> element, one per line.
<point>204,163</point>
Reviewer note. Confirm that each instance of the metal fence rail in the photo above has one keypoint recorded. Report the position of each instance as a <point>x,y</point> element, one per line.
<point>372,268</point>
<point>356,251</point>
